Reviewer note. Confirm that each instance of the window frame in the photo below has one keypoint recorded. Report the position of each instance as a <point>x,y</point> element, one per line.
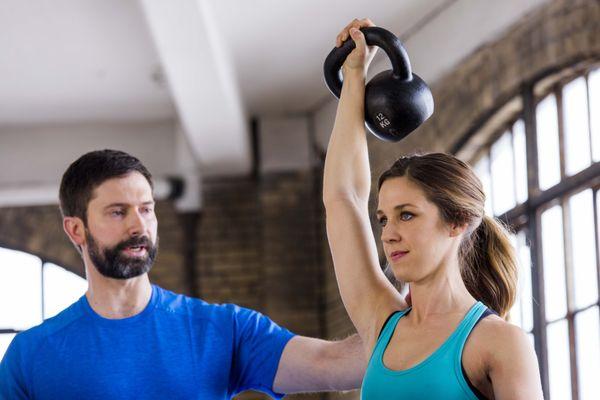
<point>43,262</point>
<point>526,216</point>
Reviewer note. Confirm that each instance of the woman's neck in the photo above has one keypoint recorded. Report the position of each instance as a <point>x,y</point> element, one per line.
<point>442,293</point>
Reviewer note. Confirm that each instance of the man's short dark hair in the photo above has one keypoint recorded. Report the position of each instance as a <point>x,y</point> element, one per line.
<point>90,171</point>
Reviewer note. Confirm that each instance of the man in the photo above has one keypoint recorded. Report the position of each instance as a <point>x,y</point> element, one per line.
<point>129,339</point>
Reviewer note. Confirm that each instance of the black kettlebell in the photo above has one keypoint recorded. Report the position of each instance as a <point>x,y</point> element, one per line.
<point>396,101</point>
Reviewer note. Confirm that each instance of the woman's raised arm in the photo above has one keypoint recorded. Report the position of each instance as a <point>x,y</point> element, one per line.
<point>367,294</point>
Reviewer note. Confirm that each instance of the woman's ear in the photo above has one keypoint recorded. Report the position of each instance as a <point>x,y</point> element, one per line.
<point>458,229</point>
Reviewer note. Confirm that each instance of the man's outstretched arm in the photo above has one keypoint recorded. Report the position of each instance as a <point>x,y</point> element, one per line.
<point>316,365</point>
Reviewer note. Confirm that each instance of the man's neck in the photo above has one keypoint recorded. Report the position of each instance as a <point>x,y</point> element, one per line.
<point>117,299</point>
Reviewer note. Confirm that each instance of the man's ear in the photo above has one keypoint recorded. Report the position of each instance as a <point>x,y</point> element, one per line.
<point>75,230</point>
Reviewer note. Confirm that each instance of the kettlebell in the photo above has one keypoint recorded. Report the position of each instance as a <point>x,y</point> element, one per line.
<point>396,101</point>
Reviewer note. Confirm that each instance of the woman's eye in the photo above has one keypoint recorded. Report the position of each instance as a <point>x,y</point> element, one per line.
<point>382,221</point>
<point>406,216</point>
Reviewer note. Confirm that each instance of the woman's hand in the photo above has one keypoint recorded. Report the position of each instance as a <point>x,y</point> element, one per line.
<point>362,55</point>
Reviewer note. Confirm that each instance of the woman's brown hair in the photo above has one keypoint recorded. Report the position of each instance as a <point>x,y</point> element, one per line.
<point>487,257</point>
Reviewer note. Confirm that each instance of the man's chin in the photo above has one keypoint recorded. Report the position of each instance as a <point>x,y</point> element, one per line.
<point>127,271</point>
<point>123,275</point>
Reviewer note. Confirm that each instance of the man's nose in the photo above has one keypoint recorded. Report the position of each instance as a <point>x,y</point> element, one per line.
<point>137,224</point>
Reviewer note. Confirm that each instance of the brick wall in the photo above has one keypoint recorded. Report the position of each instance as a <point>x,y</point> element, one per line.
<point>38,230</point>
<point>259,246</point>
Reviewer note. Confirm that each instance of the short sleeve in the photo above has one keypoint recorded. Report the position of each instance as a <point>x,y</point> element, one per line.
<point>259,343</point>
<point>12,378</point>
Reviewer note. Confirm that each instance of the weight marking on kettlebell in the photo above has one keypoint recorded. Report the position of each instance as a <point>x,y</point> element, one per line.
<point>383,121</point>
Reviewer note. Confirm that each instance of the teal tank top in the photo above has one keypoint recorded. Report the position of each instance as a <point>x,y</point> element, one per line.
<point>439,376</point>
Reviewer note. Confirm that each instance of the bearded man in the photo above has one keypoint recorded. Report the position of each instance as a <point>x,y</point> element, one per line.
<point>129,339</point>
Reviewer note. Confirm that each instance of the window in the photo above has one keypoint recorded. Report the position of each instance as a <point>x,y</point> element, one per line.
<point>541,173</point>
<point>31,291</point>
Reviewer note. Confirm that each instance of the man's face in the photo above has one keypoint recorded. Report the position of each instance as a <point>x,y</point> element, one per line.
<point>121,238</point>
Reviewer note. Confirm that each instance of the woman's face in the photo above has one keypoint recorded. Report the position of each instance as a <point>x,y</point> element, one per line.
<point>415,239</point>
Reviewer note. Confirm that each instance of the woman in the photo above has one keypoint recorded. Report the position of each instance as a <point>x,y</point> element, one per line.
<point>436,237</point>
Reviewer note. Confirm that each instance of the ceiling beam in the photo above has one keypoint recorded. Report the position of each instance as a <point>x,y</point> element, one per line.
<point>202,82</point>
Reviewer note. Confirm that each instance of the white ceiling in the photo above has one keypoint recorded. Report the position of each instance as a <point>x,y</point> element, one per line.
<point>77,60</point>
<point>278,47</point>
<point>208,65</point>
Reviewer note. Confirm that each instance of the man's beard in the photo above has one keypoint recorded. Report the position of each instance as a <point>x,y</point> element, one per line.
<point>112,263</point>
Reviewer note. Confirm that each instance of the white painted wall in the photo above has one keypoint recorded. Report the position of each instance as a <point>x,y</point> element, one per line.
<point>41,154</point>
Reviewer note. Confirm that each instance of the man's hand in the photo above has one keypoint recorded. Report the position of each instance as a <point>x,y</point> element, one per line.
<point>316,365</point>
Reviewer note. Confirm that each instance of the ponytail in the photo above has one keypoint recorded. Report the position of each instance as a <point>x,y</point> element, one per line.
<point>489,267</point>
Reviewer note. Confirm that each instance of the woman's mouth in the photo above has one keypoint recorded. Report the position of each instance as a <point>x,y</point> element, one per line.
<point>396,255</point>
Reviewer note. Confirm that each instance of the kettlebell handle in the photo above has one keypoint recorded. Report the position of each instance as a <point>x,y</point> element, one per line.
<point>375,36</point>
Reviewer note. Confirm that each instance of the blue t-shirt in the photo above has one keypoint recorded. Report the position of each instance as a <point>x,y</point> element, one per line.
<point>177,348</point>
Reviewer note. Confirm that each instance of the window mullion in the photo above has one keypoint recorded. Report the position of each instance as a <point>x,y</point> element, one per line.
<point>561,132</point>
<point>534,231</point>
<point>570,282</point>
<point>4,330</point>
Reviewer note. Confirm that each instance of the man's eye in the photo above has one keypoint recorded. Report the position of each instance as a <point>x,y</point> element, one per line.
<point>382,221</point>
<point>147,210</point>
<point>406,216</point>
<point>117,213</point>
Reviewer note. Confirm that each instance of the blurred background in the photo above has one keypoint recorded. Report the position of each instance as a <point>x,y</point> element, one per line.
<point>224,102</point>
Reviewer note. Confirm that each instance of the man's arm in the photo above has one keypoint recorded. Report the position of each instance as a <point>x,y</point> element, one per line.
<point>11,374</point>
<point>316,365</point>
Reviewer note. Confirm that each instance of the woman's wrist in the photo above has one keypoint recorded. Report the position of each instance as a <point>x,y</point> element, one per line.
<point>354,73</point>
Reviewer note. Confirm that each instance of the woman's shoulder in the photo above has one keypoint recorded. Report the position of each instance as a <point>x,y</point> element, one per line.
<point>494,328</point>
<point>495,337</point>
<point>506,354</point>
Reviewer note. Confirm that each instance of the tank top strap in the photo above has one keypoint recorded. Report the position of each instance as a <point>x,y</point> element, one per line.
<point>466,326</point>
<point>387,332</point>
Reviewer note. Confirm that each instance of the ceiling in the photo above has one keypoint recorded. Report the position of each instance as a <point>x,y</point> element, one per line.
<point>208,65</point>
<point>78,60</point>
